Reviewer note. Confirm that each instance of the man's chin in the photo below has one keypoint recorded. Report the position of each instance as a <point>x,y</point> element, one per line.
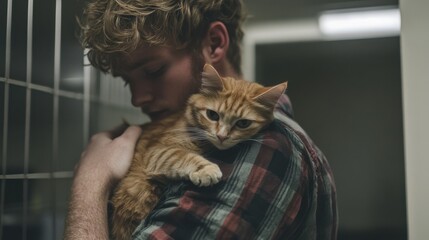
<point>157,116</point>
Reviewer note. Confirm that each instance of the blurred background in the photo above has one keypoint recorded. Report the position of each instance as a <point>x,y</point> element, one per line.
<point>344,83</point>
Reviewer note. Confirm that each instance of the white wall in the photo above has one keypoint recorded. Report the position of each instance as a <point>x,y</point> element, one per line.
<point>415,70</point>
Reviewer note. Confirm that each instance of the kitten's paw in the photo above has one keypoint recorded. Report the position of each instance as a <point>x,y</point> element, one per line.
<point>206,176</point>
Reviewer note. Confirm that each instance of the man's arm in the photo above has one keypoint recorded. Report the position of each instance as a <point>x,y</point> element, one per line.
<point>103,163</point>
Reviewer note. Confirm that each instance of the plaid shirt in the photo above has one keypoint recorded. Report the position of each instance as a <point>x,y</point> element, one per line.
<point>279,186</point>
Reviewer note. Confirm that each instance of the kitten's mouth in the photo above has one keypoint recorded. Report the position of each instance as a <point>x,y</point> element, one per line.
<point>221,145</point>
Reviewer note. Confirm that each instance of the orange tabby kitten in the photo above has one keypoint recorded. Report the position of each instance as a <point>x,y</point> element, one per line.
<point>225,112</point>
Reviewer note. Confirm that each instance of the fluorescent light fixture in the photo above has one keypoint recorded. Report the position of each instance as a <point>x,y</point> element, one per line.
<point>360,23</point>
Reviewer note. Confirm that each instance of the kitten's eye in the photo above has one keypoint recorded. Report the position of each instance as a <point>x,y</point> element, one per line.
<point>243,123</point>
<point>212,115</point>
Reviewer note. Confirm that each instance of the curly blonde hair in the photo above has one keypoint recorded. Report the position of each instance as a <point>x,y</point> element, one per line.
<point>111,27</point>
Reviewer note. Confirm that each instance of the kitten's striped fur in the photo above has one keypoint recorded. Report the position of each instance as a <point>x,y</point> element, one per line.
<point>225,112</point>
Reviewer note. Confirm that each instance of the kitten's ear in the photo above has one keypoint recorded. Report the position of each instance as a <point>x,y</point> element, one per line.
<point>270,95</point>
<point>211,80</point>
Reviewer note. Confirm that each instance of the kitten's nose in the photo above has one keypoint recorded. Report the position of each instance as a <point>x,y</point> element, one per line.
<point>221,137</point>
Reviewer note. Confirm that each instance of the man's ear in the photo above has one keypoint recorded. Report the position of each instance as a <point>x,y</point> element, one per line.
<point>215,43</point>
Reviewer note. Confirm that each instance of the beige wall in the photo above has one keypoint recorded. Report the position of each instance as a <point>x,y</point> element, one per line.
<point>415,80</point>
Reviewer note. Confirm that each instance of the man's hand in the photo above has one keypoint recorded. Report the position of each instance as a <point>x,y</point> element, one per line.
<point>104,162</point>
<point>108,156</point>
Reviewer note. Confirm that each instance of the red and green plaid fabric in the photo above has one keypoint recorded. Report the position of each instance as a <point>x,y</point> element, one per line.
<point>277,186</point>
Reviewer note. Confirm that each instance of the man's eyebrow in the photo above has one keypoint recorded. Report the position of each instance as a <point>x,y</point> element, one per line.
<point>133,65</point>
<point>140,62</point>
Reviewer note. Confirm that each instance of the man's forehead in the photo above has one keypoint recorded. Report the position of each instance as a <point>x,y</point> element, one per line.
<point>143,54</point>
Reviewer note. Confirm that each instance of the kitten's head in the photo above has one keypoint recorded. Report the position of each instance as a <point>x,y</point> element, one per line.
<point>229,110</point>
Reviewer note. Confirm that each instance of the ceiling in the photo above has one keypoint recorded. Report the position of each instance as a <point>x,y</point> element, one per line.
<point>282,10</point>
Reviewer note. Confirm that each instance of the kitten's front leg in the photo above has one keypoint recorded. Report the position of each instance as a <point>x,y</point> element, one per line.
<point>188,165</point>
<point>206,175</point>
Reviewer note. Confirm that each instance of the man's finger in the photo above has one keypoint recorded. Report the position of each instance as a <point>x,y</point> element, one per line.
<point>132,132</point>
<point>118,131</point>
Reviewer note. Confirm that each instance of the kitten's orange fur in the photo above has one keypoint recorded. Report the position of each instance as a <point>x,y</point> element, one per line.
<point>225,112</point>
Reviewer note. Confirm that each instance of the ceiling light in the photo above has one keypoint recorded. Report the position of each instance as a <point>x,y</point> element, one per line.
<point>360,23</point>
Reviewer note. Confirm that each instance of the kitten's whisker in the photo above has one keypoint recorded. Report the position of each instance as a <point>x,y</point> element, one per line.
<point>193,132</point>
<point>177,130</point>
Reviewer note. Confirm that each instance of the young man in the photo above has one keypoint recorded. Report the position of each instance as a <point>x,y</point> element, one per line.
<point>280,189</point>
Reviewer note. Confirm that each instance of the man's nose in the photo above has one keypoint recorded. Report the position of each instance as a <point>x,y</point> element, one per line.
<point>140,100</point>
<point>141,94</point>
